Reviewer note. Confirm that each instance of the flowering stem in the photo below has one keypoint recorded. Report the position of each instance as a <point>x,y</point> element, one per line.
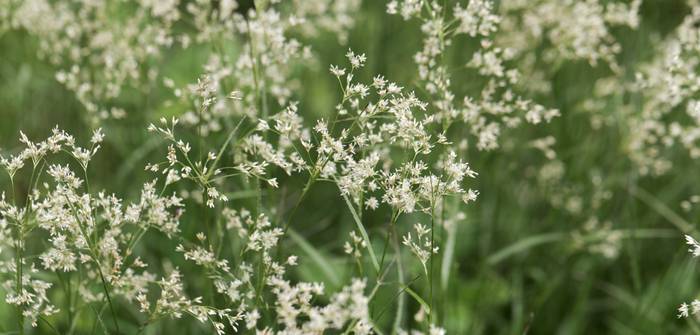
<point>18,259</point>
<point>363,232</point>
<point>109,299</point>
<point>309,182</point>
<point>432,257</point>
<point>398,320</point>
<point>93,255</point>
<point>392,223</point>
<point>18,264</point>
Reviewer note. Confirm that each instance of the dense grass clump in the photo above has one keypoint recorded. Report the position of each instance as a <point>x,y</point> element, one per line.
<point>349,167</point>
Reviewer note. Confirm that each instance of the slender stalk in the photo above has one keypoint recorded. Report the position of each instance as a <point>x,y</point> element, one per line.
<point>109,299</point>
<point>363,232</point>
<point>398,319</point>
<point>93,256</point>
<point>18,260</point>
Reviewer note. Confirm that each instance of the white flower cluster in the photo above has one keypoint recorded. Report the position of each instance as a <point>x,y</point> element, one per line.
<point>421,245</point>
<point>96,58</point>
<point>239,139</point>
<point>91,233</point>
<point>668,115</point>
<point>102,49</point>
<point>497,105</point>
<point>240,284</point>
<point>694,308</point>
<point>373,123</point>
<point>97,235</point>
<point>575,30</point>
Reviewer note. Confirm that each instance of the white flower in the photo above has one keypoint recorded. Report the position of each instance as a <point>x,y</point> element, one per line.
<point>337,71</point>
<point>371,203</point>
<point>694,245</point>
<point>357,61</point>
<point>97,136</point>
<point>273,182</point>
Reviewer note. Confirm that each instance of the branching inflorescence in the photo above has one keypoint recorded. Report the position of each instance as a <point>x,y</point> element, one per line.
<point>207,235</point>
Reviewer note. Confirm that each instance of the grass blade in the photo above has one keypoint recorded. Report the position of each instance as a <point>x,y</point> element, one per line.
<point>316,256</point>
<point>363,232</point>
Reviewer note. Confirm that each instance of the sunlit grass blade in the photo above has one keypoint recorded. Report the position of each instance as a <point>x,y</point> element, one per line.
<point>425,305</point>
<point>663,210</point>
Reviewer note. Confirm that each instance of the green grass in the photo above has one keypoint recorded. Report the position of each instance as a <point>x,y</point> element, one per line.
<point>514,267</point>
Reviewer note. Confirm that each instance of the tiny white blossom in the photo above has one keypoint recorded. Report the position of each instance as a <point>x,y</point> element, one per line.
<point>694,245</point>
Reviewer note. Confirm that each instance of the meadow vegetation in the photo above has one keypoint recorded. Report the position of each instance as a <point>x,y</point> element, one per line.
<point>399,167</point>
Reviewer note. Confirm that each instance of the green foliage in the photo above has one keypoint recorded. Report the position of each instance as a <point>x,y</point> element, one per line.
<point>518,264</point>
